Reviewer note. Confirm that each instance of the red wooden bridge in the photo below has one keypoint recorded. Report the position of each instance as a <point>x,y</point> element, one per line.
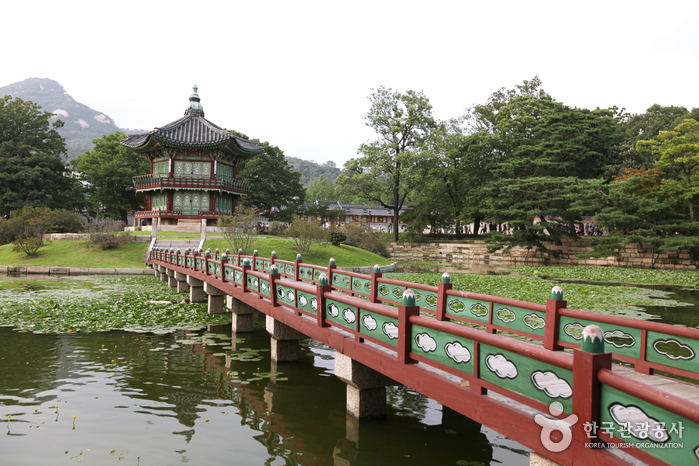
<point>513,366</point>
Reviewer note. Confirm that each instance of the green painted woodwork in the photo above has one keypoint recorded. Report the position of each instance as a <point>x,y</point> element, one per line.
<point>425,299</point>
<point>266,265</point>
<point>159,201</point>
<point>230,273</point>
<point>341,280</point>
<point>444,348</point>
<point>340,313</point>
<point>679,352</point>
<point>264,287</point>
<point>649,427</point>
<point>212,268</point>
<point>223,203</point>
<point>391,292</point>
<point>378,326</point>
<point>289,269</point>
<point>161,169</point>
<point>193,169</point>
<point>306,272</point>
<point>190,202</point>
<point>618,339</point>
<point>238,277</point>
<point>259,264</point>
<point>200,264</point>
<point>224,171</point>
<point>361,285</point>
<point>469,308</point>
<point>218,270</point>
<point>530,377</point>
<point>253,283</point>
<point>286,295</point>
<point>307,301</point>
<point>520,319</point>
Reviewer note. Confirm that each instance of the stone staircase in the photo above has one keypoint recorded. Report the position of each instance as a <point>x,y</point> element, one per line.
<point>172,243</point>
<point>188,226</point>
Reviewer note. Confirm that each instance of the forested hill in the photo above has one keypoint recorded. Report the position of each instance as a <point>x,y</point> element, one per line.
<point>82,124</point>
<point>311,171</point>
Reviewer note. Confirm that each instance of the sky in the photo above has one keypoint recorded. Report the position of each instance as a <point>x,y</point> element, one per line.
<point>298,74</point>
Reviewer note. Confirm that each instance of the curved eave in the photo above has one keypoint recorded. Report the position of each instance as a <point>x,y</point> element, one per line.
<point>153,141</point>
<point>182,188</point>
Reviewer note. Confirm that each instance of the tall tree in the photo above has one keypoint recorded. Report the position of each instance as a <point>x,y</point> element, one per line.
<point>32,171</point>
<point>321,190</point>
<point>274,185</point>
<point>108,172</point>
<point>394,165</point>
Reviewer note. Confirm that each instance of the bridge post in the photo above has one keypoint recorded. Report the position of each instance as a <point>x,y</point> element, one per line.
<point>273,276</point>
<point>322,286</point>
<point>587,361</point>
<point>242,315</point>
<point>405,312</point>
<point>297,263</point>
<point>375,275</point>
<point>285,341</point>
<point>553,316</point>
<point>171,280</point>
<point>366,388</point>
<point>215,299</point>
<point>444,285</point>
<point>196,289</point>
<point>182,286</point>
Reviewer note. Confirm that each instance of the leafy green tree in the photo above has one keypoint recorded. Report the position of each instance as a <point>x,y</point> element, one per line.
<point>108,172</point>
<point>32,171</point>
<point>240,228</point>
<point>394,165</point>
<point>678,152</point>
<point>321,190</point>
<point>274,185</point>
<point>306,233</point>
<point>311,171</point>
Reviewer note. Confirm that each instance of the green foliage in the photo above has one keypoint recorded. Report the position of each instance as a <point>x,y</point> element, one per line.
<point>682,278</point>
<point>274,185</point>
<point>26,227</point>
<point>79,254</point>
<point>108,172</point>
<point>311,171</point>
<point>337,237</point>
<point>32,172</point>
<point>368,240</point>
<point>306,234</point>
<point>321,190</point>
<point>107,233</point>
<point>239,229</point>
<point>394,165</point>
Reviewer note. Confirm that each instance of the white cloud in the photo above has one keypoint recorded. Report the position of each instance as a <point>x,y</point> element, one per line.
<point>348,315</point>
<point>303,300</point>
<point>457,352</point>
<point>333,310</point>
<point>501,366</point>
<point>425,342</point>
<point>638,423</point>
<point>290,296</point>
<point>390,330</point>
<point>549,383</point>
<point>369,323</point>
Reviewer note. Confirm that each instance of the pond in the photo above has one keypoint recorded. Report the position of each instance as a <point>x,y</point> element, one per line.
<point>203,397</point>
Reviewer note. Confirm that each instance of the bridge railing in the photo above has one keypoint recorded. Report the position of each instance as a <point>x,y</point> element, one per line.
<point>648,345</point>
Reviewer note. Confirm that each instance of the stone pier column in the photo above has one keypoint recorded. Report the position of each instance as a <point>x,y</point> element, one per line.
<point>366,388</point>
<point>242,317</point>
<point>171,280</point>
<point>285,341</point>
<point>182,286</point>
<point>163,273</point>
<point>215,299</point>
<point>196,290</point>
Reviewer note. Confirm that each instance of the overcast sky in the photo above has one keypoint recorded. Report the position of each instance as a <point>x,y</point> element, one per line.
<point>298,74</point>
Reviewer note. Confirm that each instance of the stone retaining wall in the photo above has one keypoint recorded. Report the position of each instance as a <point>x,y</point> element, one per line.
<point>475,252</point>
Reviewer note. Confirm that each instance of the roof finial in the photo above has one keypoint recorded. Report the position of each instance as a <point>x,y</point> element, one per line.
<point>195,108</point>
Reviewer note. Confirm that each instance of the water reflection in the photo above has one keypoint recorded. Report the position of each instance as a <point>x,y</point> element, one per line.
<point>164,401</point>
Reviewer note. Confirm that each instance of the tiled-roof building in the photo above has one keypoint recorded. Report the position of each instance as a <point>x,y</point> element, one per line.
<point>373,218</point>
<point>192,169</point>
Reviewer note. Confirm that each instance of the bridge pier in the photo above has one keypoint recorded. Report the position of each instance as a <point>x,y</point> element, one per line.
<point>242,317</point>
<point>366,388</point>
<point>285,341</point>
<point>196,290</point>
<point>171,280</point>
<point>215,299</point>
<point>163,273</point>
<point>182,286</point>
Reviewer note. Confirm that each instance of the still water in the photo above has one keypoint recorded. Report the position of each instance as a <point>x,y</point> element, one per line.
<point>201,397</point>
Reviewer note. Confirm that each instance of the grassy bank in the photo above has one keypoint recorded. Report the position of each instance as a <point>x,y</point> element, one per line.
<point>131,255</point>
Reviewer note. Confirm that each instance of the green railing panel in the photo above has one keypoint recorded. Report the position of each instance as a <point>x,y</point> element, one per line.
<point>341,280</point>
<point>218,270</point>
<point>343,314</point>
<point>253,283</point>
<point>520,319</point>
<point>233,260</point>
<point>673,351</point>
<point>264,287</point>
<point>190,262</point>
<point>378,326</point>
<point>444,348</point>
<point>180,260</point>
<point>266,265</point>
<point>660,433</point>
<point>200,264</point>
<point>306,272</point>
<point>288,269</point>
<point>212,268</point>
<point>361,285</point>
<point>307,301</point>
<point>468,308</point>
<point>425,299</point>
<point>532,378</point>
<point>286,295</point>
<point>259,264</point>
<point>618,339</point>
<point>238,277</point>
<point>316,274</point>
<point>392,292</point>
<point>230,274</point>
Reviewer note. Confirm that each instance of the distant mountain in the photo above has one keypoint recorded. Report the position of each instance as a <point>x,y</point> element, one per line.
<point>82,124</point>
<point>311,171</point>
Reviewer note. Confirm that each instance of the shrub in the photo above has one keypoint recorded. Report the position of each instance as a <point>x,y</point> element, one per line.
<point>239,229</point>
<point>106,233</point>
<point>306,234</point>
<point>337,237</point>
<point>367,240</point>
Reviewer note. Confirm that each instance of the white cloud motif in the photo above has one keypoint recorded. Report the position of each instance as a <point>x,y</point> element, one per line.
<point>314,304</point>
<point>425,342</point>
<point>333,310</point>
<point>348,315</point>
<point>369,323</point>
<point>303,300</point>
<point>501,366</point>
<point>638,423</point>
<point>549,383</point>
<point>390,330</point>
<point>457,352</point>
<point>290,295</point>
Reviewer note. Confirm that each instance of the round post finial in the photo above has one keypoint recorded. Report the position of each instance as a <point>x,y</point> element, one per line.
<point>274,253</point>
<point>408,297</point>
<point>255,252</point>
<point>331,261</point>
<point>274,270</point>
<point>240,251</point>
<point>298,257</point>
<point>557,293</point>
<point>208,254</point>
<point>446,278</point>
<point>377,268</point>
<point>323,279</point>
<point>593,339</point>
